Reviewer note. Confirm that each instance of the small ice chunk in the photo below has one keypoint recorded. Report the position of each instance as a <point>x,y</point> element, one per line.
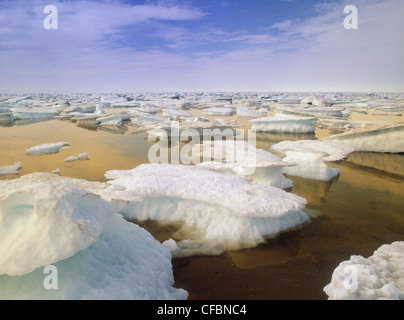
<point>13,169</point>
<point>47,148</point>
<point>81,156</point>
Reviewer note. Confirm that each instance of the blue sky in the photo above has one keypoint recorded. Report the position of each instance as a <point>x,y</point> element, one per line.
<point>201,45</point>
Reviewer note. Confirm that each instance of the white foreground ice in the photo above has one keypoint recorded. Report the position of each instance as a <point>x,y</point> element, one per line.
<point>47,148</point>
<point>243,159</point>
<point>380,276</point>
<point>286,124</point>
<point>70,223</point>
<point>222,211</point>
<point>309,155</point>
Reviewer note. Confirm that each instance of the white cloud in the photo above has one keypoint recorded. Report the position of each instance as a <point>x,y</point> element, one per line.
<point>93,49</point>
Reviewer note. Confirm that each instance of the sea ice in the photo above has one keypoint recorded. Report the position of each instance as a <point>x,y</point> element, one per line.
<point>286,124</point>
<point>47,220</point>
<point>34,113</point>
<point>47,148</point>
<point>81,156</point>
<point>378,277</point>
<point>13,169</point>
<point>309,155</point>
<point>219,111</point>
<point>386,138</point>
<point>222,211</point>
<point>242,158</point>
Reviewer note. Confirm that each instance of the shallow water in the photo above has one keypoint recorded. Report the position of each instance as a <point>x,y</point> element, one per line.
<point>354,214</point>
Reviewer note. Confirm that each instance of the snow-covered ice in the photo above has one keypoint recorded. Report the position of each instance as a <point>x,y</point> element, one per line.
<point>386,138</point>
<point>309,155</point>
<point>225,211</point>
<point>336,150</point>
<point>219,111</point>
<point>380,276</point>
<point>13,169</point>
<point>71,224</point>
<point>243,159</point>
<point>286,124</point>
<point>81,156</point>
<point>46,148</point>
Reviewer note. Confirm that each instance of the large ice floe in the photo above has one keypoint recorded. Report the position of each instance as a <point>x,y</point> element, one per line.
<point>218,211</point>
<point>284,124</point>
<point>309,155</point>
<point>46,148</point>
<point>241,158</point>
<point>71,224</point>
<point>378,277</point>
<point>387,138</point>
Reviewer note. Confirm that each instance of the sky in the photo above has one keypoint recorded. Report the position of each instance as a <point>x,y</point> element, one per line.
<point>201,45</point>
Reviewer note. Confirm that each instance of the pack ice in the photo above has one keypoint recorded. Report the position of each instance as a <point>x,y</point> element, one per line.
<point>380,276</point>
<point>241,158</point>
<point>386,138</point>
<point>284,124</point>
<point>70,223</point>
<point>218,211</point>
<point>309,155</point>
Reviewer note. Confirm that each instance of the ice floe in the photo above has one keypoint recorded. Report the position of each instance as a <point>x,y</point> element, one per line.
<point>309,155</point>
<point>46,148</point>
<point>13,169</point>
<point>378,277</point>
<point>225,211</point>
<point>243,159</point>
<point>81,156</point>
<point>66,223</point>
<point>285,124</point>
<point>388,138</point>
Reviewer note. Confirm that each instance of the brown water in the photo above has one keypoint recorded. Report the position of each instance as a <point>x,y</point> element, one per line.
<point>353,215</point>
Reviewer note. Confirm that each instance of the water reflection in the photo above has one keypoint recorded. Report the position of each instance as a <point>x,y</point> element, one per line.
<point>314,191</point>
<point>379,164</point>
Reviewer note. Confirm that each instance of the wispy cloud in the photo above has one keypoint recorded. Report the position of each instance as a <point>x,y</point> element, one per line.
<point>177,45</point>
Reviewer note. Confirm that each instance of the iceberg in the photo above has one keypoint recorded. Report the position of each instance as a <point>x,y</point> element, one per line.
<point>289,124</point>
<point>243,159</point>
<point>13,169</point>
<point>218,211</point>
<point>309,155</point>
<point>385,138</point>
<point>48,220</point>
<point>47,148</point>
<point>378,277</point>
